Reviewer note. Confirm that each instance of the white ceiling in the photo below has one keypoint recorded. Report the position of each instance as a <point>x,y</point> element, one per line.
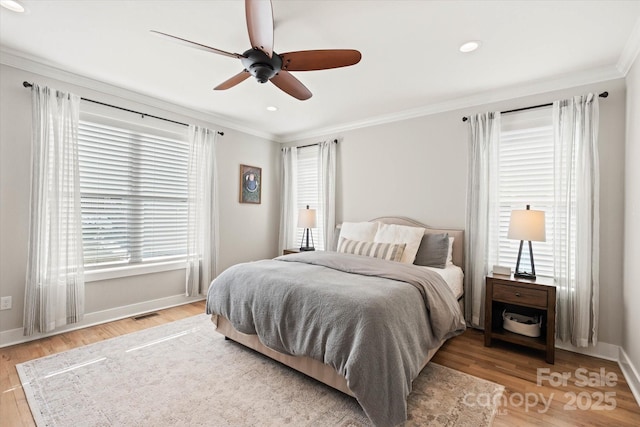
<point>410,58</point>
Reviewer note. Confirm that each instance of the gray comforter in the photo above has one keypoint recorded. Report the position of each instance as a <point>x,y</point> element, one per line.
<point>374,321</point>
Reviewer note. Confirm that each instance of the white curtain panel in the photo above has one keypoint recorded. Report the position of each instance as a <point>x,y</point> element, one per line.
<point>576,227</point>
<point>288,210</point>
<point>481,228</point>
<point>54,294</point>
<point>327,182</point>
<point>202,211</point>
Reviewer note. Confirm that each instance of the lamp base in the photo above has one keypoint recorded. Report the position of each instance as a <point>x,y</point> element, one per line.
<point>307,249</point>
<point>524,275</point>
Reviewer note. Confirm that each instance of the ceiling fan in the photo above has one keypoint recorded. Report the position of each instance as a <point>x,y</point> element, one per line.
<point>266,65</point>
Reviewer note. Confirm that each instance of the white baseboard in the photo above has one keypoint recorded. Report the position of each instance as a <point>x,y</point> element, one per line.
<point>602,350</point>
<point>630,374</point>
<point>15,336</point>
<point>614,353</point>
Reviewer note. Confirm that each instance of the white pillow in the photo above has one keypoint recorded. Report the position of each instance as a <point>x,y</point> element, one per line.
<point>393,233</point>
<point>362,231</point>
<point>450,253</point>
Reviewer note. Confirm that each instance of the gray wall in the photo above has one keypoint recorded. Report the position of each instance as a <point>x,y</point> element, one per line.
<point>631,290</point>
<point>247,231</point>
<point>418,168</point>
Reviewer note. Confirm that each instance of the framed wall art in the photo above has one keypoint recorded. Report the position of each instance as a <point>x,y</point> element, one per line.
<point>250,184</point>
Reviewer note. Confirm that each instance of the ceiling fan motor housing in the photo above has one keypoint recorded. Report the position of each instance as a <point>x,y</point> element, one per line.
<point>260,65</point>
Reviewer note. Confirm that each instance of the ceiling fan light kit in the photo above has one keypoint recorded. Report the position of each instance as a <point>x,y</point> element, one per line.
<point>264,64</point>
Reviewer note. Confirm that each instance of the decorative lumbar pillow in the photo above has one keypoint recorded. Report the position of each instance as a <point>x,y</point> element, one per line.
<point>363,231</point>
<point>393,233</point>
<point>433,250</point>
<point>388,251</point>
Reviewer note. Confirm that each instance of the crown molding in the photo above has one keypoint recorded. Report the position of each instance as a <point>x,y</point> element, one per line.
<point>631,50</point>
<point>34,65</point>
<point>504,94</point>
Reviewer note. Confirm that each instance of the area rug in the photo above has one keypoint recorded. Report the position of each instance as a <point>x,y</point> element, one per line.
<point>185,374</point>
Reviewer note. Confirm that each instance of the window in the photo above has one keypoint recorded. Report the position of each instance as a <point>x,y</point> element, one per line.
<point>133,184</point>
<point>308,189</point>
<point>525,177</point>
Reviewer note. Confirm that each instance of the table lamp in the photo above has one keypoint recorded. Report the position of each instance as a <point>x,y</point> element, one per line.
<point>526,225</point>
<point>307,220</point>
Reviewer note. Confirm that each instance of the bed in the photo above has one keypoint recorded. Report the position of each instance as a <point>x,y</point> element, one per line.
<point>363,325</point>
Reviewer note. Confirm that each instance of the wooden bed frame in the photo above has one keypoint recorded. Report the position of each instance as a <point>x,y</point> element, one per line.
<point>314,368</point>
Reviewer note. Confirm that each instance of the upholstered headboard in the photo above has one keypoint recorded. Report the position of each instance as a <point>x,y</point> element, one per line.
<point>458,235</point>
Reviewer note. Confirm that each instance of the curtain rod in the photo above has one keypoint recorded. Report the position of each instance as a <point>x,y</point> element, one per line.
<point>602,95</point>
<point>311,145</point>
<point>27,84</point>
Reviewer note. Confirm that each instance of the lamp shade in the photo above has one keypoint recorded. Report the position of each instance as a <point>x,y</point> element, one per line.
<point>307,218</point>
<point>527,225</point>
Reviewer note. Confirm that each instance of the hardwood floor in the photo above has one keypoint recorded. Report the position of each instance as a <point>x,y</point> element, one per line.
<point>524,403</point>
<point>14,410</point>
<point>593,393</point>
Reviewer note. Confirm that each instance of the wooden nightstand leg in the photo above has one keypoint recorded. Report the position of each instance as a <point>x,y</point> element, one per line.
<point>551,325</point>
<point>487,329</point>
<point>550,358</point>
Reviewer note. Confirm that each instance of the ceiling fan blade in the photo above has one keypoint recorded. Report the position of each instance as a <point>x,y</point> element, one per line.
<point>308,60</point>
<point>260,24</point>
<point>289,84</point>
<point>238,78</point>
<point>196,45</point>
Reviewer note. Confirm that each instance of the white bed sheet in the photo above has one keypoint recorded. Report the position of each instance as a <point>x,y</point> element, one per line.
<point>453,275</point>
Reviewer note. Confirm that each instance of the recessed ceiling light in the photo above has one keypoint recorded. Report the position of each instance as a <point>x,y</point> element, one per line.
<point>12,5</point>
<point>469,46</point>
<point>272,108</point>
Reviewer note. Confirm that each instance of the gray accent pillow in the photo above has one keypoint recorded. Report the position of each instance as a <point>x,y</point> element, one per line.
<point>433,250</point>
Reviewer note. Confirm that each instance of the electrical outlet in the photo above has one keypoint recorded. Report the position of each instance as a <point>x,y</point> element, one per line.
<point>5,303</point>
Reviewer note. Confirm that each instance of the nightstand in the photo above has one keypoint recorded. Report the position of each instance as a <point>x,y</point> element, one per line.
<point>529,297</point>
<point>290,251</point>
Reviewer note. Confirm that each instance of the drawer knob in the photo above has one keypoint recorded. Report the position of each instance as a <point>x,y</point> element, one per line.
<point>517,294</point>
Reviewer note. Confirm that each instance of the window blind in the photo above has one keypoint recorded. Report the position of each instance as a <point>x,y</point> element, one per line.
<point>308,188</point>
<point>525,177</point>
<point>133,188</point>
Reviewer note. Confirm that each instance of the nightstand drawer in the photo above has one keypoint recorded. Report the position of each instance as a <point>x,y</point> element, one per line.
<point>520,295</point>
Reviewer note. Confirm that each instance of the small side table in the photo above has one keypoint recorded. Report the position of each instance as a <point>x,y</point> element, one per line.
<point>291,251</point>
<point>527,296</point>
